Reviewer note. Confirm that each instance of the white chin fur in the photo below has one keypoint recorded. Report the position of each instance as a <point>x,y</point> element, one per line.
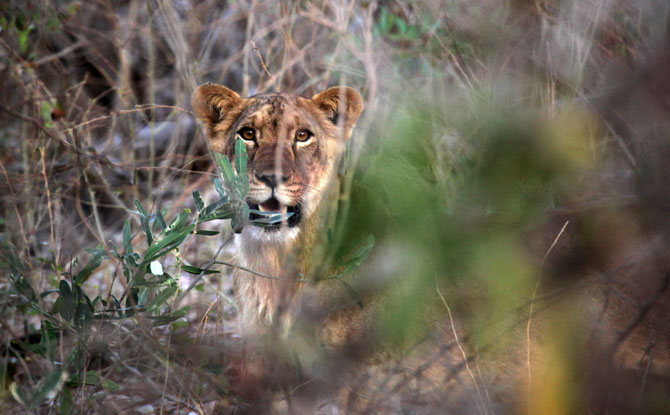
<point>256,234</point>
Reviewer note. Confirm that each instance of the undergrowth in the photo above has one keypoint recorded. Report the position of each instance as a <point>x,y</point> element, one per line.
<point>509,166</point>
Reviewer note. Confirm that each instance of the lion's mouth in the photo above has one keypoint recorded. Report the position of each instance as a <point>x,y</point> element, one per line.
<point>273,206</point>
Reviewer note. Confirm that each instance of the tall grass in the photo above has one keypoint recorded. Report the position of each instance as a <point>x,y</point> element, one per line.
<point>510,167</point>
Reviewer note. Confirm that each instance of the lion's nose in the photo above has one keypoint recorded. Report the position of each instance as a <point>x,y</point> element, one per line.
<point>271,178</point>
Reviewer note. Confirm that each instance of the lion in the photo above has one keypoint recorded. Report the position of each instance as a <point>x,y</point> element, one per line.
<point>293,146</point>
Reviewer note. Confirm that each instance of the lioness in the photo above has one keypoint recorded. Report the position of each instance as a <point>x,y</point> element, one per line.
<point>293,144</point>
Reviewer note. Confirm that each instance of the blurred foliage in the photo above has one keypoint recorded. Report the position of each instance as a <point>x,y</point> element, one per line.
<point>468,227</point>
<point>482,120</point>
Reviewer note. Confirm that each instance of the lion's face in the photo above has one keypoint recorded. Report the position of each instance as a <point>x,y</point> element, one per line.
<point>292,142</point>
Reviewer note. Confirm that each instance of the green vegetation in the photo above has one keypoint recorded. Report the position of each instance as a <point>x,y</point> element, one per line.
<point>510,167</point>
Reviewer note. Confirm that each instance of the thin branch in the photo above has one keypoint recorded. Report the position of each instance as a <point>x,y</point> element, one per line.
<point>260,274</point>
<point>260,57</point>
<point>54,247</point>
<point>138,108</point>
<point>460,348</point>
<point>532,307</point>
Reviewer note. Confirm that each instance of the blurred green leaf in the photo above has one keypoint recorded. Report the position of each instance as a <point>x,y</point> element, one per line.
<point>241,165</point>
<point>110,385</point>
<point>354,260</point>
<point>132,303</point>
<point>117,306</point>
<point>18,394</point>
<point>269,218</point>
<point>206,232</point>
<point>165,245</point>
<point>23,38</point>
<point>65,303</point>
<point>161,220</point>
<point>240,218</point>
<point>22,287</point>
<point>180,220</point>
<point>65,402</point>
<point>197,199</point>
<point>94,262</point>
<point>127,245</point>
<point>169,317</point>
<point>143,296</point>
<point>225,211</point>
<point>161,297</point>
<point>46,109</point>
<point>218,185</point>
<point>195,270</point>
<point>91,377</point>
<point>144,220</point>
<point>48,387</point>
<point>140,209</point>
<point>225,169</point>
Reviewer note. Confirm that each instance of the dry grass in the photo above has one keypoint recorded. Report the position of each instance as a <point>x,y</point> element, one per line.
<point>484,122</point>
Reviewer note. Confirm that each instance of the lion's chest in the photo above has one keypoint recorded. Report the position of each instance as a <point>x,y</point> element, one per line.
<point>265,282</point>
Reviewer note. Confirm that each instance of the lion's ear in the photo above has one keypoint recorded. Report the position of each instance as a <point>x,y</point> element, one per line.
<point>212,102</point>
<point>342,105</point>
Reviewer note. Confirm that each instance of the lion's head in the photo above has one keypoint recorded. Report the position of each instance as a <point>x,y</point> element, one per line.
<point>292,143</point>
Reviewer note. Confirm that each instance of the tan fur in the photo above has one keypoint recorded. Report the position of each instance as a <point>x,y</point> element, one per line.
<point>309,167</point>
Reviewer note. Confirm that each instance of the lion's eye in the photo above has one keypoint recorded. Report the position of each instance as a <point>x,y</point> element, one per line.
<point>303,135</point>
<point>247,133</point>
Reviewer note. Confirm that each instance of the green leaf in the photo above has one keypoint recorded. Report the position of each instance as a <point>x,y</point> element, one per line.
<point>197,271</point>
<point>18,394</point>
<point>197,199</point>
<point>222,202</point>
<point>117,306</point>
<point>160,298</point>
<point>132,303</point>
<point>23,38</point>
<point>225,169</point>
<point>140,209</point>
<point>166,244</point>
<point>143,296</point>
<point>206,232</point>
<point>354,260</point>
<point>91,377</point>
<point>66,402</point>
<point>21,286</point>
<point>218,185</point>
<point>46,109</point>
<point>144,220</point>
<point>402,26</point>
<point>179,221</point>
<point>49,387</point>
<point>240,157</point>
<point>81,295</point>
<point>269,218</point>
<point>127,246</point>
<point>161,220</point>
<point>169,317</point>
<point>97,256</point>
<point>147,231</point>
<point>110,385</point>
<point>240,218</point>
<point>241,165</point>
<point>224,212</point>
<point>65,304</point>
